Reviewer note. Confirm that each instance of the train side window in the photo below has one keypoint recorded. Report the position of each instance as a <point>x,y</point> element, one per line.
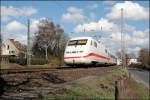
<point>105,50</point>
<point>91,42</point>
<point>95,44</point>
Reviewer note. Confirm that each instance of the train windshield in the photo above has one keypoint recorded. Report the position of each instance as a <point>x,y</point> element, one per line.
<point>77,42</point>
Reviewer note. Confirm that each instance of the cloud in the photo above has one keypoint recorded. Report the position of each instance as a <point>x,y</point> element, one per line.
<point>102,25</point>
<point>132,11</point>
<point>34,24</point>
<point>74,10</point>
<point>14,27</point>
<point>139,34</point>
<point>18,31</point>
<point>10,11</point>
<point>74,15</point>
<point>15,30</point>
<point>134,50</point>
<point>137,38</point>
<point>21,38</point>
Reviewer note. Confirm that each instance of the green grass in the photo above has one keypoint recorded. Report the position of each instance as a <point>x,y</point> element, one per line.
<point>97,87</point>
<point>143,91</point>
<point>93,87</point>
<point>4,66</point>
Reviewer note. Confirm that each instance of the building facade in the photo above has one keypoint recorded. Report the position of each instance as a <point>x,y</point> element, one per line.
<point>11,47</point>
<point>133,61</point>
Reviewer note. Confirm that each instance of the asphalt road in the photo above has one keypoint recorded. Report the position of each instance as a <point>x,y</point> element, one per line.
<point>140,75</point>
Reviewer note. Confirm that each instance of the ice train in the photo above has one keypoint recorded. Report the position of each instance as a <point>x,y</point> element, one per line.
<point>87,50</point>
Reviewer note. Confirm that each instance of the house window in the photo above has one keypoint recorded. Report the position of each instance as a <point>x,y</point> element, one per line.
<point>12,52</point>
<point>7,47</point>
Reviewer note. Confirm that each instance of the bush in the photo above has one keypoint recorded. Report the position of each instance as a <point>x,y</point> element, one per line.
<point>23,61</point>
<point>38,61</point>
<point>140,66</point>
<point>20,61</point>
<point>54,61</point>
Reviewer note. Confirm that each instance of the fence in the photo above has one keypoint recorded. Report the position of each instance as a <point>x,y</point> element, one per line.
<point>4,59</point>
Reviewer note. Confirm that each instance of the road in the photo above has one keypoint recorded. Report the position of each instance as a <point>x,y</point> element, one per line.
<point>140,75</point>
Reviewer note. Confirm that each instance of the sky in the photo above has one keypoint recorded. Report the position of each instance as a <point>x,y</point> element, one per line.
<point>81,18</point>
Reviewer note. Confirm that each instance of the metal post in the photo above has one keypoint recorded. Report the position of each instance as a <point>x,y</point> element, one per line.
<point>28,45</point>
<point>122,41</point>
<point>116,91</point>
<point>0,49</point>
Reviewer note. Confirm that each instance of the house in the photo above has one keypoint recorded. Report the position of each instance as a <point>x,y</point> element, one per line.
<point>133,61</point>
<point>11,47</point>
<point>119,61</point>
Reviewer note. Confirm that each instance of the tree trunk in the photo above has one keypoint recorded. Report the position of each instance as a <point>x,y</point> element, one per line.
<point>46,56</point>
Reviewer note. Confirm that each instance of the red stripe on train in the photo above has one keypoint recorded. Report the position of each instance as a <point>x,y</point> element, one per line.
<point>89,55</point>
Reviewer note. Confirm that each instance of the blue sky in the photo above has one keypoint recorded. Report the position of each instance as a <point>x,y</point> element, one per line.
<point>80,17</point>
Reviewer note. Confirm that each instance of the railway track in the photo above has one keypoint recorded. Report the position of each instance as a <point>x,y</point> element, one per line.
<point>32,70</point>
<point>25,70</point>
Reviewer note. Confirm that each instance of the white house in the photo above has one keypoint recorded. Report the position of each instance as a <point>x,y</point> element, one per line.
<point>11,47</point>
<point>133,61</point>
<point>119,61</point>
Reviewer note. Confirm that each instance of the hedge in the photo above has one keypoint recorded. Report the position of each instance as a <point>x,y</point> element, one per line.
<point>23,61</point>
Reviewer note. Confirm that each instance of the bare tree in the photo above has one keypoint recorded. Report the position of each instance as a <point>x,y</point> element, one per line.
<point>118,53</point>
<point>132,55</point>
<point>144,56</point>
<point>48,36</point>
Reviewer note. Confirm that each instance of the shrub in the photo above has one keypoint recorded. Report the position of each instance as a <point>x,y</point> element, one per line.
<point>54,61</point>
<point>38,61</point>
<point>23,61</point>
<point>20,61</point>
<point>140,66</point>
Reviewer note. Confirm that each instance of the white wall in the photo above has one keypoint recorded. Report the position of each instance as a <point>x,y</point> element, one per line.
<point>118,61</point>
<point>133,61</point>
<point>8,51</point>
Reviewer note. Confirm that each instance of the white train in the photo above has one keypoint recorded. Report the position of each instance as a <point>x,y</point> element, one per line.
<point>87,50</point>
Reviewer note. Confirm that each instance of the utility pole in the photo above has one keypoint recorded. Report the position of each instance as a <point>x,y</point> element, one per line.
<point>123,56</point>
<point>28,46</point>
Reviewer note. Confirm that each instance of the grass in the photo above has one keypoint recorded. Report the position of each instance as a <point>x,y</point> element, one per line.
<point>99,87</point>
<point>93,87</point>
<point>52,63</point>
<point>10,65</point>
<point>142,91</point>
<point>3,66</point>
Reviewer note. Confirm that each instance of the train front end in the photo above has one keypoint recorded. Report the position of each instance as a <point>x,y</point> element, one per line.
<point>75,51</point>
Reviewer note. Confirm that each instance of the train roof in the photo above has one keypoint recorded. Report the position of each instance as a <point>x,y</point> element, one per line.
<point>76,38</point>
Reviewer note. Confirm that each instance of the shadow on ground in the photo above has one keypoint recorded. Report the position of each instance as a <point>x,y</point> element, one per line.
<point>83,66</point>
<point>52,78</point>
<point>3,84</point>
